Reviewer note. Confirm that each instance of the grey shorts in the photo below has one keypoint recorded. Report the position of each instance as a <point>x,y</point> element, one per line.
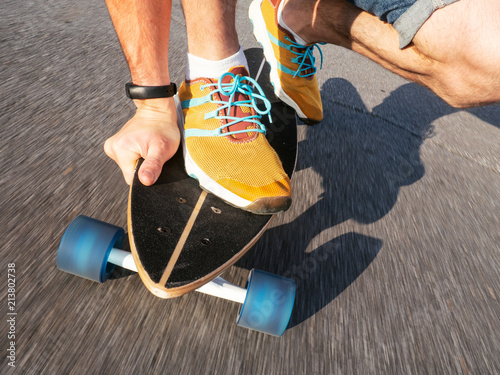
<point>407,16</point>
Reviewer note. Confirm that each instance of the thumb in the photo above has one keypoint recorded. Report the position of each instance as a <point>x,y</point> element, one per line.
<point>158,154</point>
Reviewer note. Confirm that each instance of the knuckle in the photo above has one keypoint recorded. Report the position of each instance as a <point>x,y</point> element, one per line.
<point>107,147</point>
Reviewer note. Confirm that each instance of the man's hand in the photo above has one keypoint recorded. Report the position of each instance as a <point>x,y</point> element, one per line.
<point>152,134</point>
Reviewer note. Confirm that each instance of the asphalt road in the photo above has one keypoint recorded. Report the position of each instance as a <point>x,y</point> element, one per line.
<point>393,237</point>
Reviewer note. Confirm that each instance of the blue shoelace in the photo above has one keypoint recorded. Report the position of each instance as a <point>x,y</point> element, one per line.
<point>239,84</point>
<point>303,57</point>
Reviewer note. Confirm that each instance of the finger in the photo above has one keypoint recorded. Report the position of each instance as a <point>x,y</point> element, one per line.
<point>158,154</point>
<point>128,168</point>
<point>125,159</point>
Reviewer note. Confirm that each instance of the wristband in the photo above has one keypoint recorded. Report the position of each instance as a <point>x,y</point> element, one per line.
<point>150,92</point>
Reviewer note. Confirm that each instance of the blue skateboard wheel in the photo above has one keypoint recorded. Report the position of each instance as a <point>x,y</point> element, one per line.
<point>85,248</point>
<point>268,303</point>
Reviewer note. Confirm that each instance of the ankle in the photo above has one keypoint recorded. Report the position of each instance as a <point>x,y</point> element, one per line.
<point>298,17</point>
<point>198,67</point>
<point>321,21</point>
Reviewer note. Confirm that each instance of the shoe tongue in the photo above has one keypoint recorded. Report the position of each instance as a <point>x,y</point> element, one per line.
<point>238,111</point>
<point>238,70</point>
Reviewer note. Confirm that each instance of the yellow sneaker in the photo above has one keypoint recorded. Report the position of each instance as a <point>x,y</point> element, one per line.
<point>292,64</point>
<point>225,147</point>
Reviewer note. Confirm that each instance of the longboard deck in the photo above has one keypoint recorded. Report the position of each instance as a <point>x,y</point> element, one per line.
<point>182,237</point>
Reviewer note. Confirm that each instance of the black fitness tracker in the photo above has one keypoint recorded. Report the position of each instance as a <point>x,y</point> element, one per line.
<point>150,92</point>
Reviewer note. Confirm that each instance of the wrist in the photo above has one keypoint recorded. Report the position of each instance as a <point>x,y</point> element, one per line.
<point>161,106</point>
<point>157,98</point>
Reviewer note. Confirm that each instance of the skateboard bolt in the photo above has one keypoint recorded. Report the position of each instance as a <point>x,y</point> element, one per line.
<point>216,210</point>
<point>205,241</point>
<point>181,200</point>
<point>164,230</point>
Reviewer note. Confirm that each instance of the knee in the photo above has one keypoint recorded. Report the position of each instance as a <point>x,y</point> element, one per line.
<point>465,83</point>
<point>462,92</point>
<point>470,74</point>
<point>462,42</point>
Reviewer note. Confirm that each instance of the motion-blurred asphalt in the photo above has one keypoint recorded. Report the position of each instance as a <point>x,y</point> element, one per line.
<point>393,236</point>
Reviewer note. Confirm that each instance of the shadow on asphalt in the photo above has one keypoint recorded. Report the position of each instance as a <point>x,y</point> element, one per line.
<point>362,158</point>
<point>489,113</point>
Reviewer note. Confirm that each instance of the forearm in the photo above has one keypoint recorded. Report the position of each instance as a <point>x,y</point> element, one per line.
<point>143,28</point>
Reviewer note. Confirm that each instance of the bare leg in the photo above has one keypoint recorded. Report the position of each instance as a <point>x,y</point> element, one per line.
<point>211,28</point>
<point>143,30</point>
<point>456,53</point>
